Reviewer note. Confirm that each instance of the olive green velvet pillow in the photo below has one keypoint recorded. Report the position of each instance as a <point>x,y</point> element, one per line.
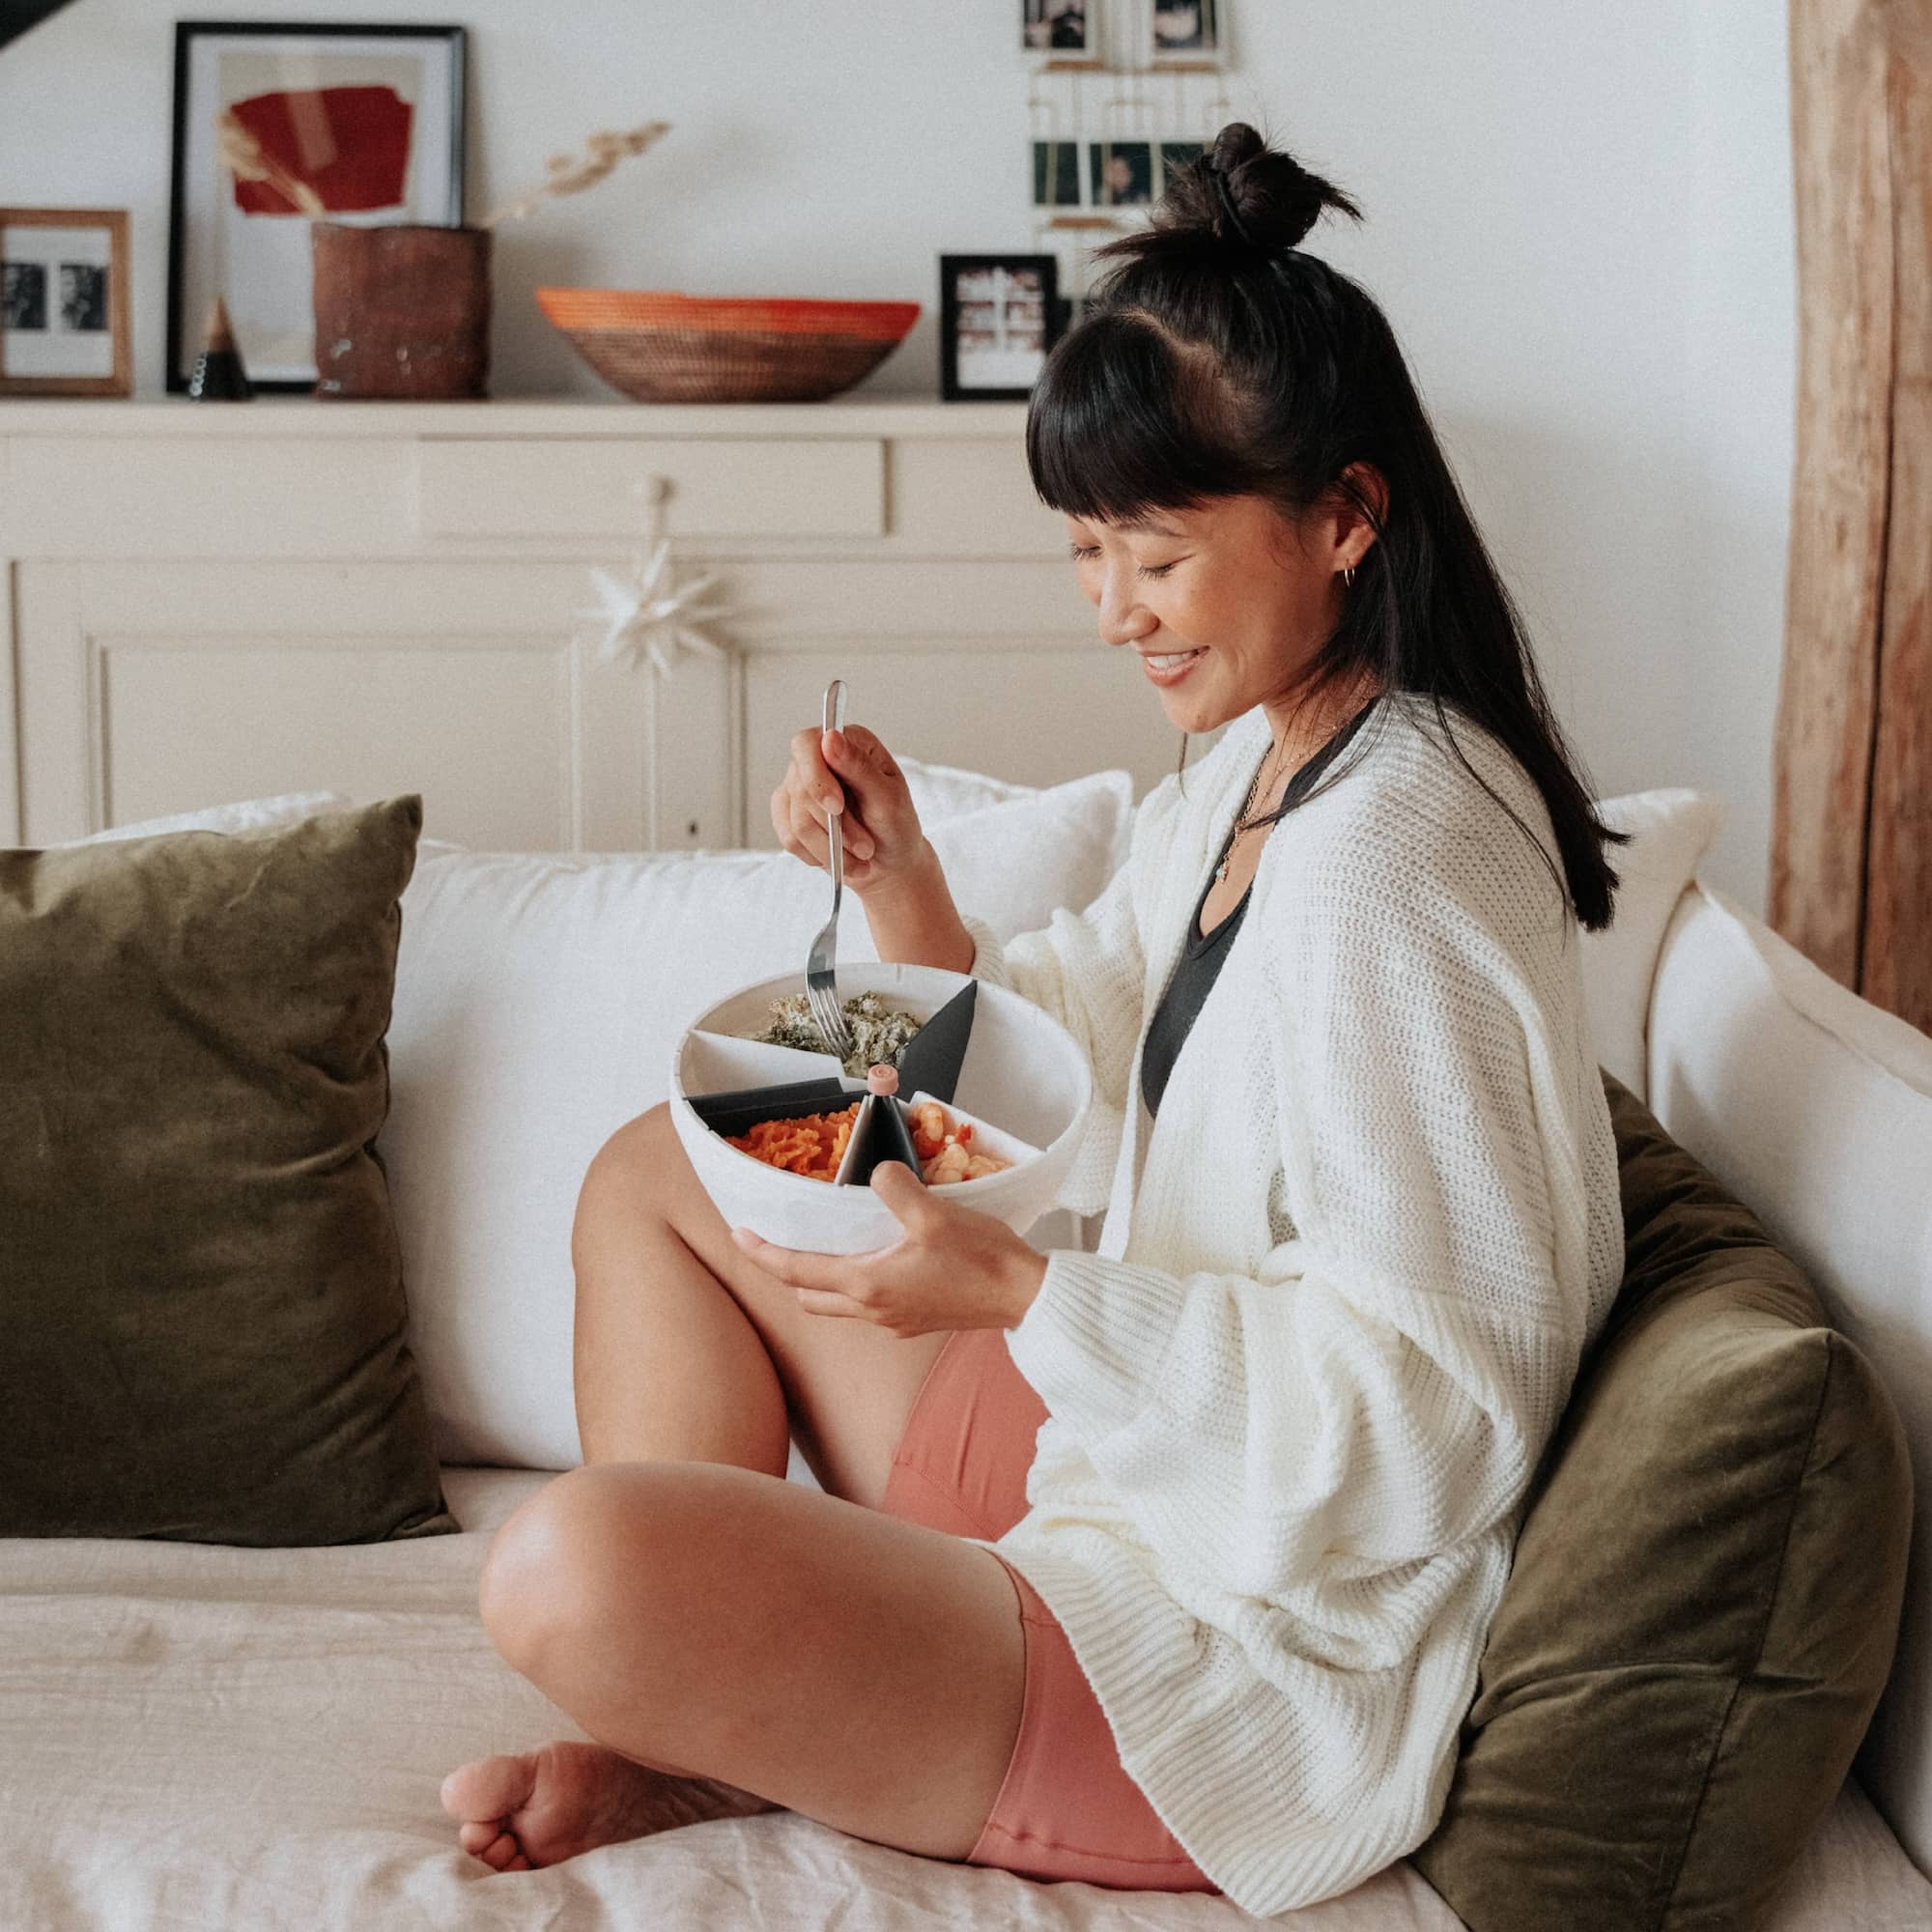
<point>1705,1593</point>
<point>199,1275</point>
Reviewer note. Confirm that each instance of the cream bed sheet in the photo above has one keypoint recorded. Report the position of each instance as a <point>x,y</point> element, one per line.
<point>198,1737</point>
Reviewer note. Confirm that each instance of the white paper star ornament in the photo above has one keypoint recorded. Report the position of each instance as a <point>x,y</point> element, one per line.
<point>646,618</point>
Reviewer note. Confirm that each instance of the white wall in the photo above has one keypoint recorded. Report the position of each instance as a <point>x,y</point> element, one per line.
<point>1579,221</point>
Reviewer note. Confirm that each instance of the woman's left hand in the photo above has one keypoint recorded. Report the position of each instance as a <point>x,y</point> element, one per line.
<point>953,1268</point>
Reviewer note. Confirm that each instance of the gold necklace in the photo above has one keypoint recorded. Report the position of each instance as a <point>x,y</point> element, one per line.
<point>1241,824</point>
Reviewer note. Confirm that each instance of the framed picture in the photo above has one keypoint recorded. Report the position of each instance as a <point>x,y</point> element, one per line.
<point>1059,27</point>
<point>1184,32</point>
<point>277,124</point>
<point>64,302</point>
<point>1122,173</point>
<point>999,316</point>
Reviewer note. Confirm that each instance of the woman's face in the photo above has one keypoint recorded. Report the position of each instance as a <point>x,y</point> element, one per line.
<point>1243,596</point>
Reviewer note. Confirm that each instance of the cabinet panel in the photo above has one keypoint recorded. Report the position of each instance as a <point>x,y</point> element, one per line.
<point>190,724</point>
<point>148,689</point>
<point>739,487</point>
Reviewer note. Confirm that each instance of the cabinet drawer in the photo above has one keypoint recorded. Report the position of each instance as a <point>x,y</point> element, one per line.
<point>720,487</point>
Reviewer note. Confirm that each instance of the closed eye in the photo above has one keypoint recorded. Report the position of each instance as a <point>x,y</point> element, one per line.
<point>1080,552</point>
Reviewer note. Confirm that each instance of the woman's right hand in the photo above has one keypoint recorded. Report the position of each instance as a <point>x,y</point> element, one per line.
<point>884,842</point>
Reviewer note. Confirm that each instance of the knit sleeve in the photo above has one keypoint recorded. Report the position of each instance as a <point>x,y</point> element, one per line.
<point>1085,969</point>
<point>1379,1389</point>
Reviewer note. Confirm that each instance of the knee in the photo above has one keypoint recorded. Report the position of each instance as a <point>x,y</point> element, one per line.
<point>637,1147</point>
<point>632,1161</point>
<point>538,1575</point>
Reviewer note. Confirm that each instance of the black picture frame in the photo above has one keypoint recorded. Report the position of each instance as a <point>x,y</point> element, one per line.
<point>184,330</point>
<point>1038,286</point>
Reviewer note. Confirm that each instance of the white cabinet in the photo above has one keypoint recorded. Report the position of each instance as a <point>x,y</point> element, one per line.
<point>213,601</point>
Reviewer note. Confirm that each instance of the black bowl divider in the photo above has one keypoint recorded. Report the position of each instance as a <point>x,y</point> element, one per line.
<point>884,1135</point>
<point>741,1110</point>
<point>929,1061</point>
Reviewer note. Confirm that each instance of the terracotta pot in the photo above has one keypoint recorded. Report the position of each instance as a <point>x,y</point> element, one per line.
<point>401,310</point>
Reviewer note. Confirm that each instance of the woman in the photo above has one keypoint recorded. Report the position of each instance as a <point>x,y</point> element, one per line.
<point>1251,1471</point>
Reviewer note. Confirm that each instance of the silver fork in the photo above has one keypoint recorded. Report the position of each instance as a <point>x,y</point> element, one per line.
<point>821,990</point>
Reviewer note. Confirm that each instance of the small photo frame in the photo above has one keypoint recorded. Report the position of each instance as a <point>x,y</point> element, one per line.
<point>1056,174</point>
<point>1184,33</point>
<point>64,302</point>
<point>1063,29</point>
<point>998,317</point>
<point>280,124</point>
<point>1120,173</point>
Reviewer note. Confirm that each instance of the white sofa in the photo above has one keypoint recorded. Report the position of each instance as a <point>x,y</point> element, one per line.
<point>198,1737</point>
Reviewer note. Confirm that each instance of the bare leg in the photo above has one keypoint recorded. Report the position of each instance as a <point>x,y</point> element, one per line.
<point>683,1352</point>
<point>666,1365</point>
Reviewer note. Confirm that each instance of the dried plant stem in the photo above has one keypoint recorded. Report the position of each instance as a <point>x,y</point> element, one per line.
<point>570,176</point>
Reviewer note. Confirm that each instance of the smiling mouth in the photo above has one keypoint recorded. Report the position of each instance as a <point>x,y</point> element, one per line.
<point>1167,660</point>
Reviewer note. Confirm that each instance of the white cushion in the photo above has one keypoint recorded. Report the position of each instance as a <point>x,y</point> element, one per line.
<point>1673,829</point>
<point>948,791</point>
<point>945,791</point>
<point>248,815</point>
<point>538,998</point>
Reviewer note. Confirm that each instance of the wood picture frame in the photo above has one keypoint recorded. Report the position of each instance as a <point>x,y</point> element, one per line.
<point>62,286</point>
<point>999,319</point>
<point>391,159</point>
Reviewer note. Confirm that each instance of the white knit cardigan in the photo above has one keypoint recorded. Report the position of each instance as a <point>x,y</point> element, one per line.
<point>1340,1295</point>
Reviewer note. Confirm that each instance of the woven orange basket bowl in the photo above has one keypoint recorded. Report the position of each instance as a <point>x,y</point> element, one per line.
<point>661,346</point>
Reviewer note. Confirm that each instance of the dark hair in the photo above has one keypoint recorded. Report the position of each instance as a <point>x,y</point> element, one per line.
<point>1217,360</point>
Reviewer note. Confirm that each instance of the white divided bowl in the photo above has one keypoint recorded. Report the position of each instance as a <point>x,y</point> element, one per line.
<point>1024,1082</point>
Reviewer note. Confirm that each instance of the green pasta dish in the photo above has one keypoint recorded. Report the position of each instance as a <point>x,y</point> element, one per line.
<point>878,1030</point>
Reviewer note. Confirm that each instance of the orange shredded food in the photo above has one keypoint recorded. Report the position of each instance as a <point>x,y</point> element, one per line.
<point>811,1144</point>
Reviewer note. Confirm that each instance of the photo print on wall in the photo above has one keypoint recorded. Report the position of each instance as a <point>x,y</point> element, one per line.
<point>1058,27</point>
<point>1056,174</point>
<point>1184,30</point>
<point>1120,173</point>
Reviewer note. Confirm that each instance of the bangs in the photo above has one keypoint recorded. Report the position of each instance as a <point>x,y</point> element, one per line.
<point>1122,420</point>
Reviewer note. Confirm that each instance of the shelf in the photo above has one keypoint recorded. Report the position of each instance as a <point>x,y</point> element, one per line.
<point>306,416</point>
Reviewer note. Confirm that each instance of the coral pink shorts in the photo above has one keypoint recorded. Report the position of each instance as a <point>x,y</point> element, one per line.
<point>1066,1810</point>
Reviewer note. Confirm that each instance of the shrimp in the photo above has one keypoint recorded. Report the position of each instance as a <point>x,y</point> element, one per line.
<point>949,1164</point>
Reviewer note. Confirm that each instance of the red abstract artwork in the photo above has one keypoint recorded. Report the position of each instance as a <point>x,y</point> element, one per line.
<point>349,144</point>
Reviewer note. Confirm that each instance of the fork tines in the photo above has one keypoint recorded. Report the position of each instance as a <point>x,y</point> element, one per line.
<point>830,1021</point>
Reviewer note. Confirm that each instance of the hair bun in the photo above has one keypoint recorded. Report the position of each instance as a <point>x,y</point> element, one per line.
<point>1250,195</point>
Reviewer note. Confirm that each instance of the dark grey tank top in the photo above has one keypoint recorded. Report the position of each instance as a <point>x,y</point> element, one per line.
<point>1202,955</point>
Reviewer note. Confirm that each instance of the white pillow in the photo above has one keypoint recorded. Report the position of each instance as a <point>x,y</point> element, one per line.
<point>285,809</point>
<point>538,998</point>
<point>1673,829</point>
<point>940,792</point>
<point>945,791</point>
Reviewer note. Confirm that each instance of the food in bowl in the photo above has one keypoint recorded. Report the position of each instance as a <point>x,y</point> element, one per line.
<point>878,1030</point>
<point>809,1144</point>
<point>944,1149</point>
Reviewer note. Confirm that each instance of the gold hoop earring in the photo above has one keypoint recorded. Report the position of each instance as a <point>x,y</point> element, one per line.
<point>1349,574</point>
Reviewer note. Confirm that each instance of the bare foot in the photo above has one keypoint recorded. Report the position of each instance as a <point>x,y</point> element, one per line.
<point>539,1808</point>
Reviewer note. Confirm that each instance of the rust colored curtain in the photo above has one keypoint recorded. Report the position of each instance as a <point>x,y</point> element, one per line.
<point>1851,851</point>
